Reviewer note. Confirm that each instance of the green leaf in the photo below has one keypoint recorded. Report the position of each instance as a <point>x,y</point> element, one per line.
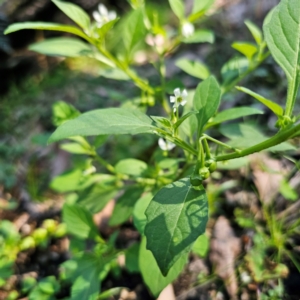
<point>45,26</point>
<point>110,293</point>
<point>282,34</point>
<point>67,182</point>
<point>201,245</point>
<point>151,273</point>
<point>95,198</point>
<point>63,46</point>
<point>200,36</point>
<point>105,121</point>
<point>132,258</point>
<point>86,277</point>
<point>193,68</point>
<point>79,221</point>
<point>131,166</point>
<point>233,69</point>
<point>206,101</point>
<point>63,112</point>
<point>76,148</point>
<point>202,5</point>
<point>177,7</point>
<point>183,118</point>
<point>139,217</point>
<point>133,29</point>
<point>74,12</point>
<point>124,206</point>
<point>255,31</point>
<point>233,113</point>
<point>176,217</point>
<point>287,191</point>
<point>277,109</point>
<point>49,285</point>
<point>245,48</point>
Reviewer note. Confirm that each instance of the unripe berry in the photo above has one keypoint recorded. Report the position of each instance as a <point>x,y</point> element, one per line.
<point>211,164</point>
<point>204,172</point>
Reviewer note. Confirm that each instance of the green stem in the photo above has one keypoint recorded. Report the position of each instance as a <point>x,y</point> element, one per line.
<point>142,84</point>
<point>280,137</point>
<point>220,143</point>
<point>293,86</point>
<point>207,150</point>
<point>104,163</point>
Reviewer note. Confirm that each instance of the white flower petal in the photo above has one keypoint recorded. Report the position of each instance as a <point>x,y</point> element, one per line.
<point>174,109</point>
<point>112,15</point>
<point>184,93</point>
<point>172,99</point>
<point>170,145</point>
<point>162,144</point>
<point>183,103</point>
<point>177,92</point>
<point>97,16</point>
<point>103,10</point>
<point>188,29</point>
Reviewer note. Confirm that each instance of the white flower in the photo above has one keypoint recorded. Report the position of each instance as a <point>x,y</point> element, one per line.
<point>179,98</point>
<point>188,29</point>
<point>103,16</point>
<point>165,145</point>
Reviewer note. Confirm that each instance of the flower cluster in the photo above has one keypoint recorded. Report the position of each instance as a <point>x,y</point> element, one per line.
<point>103,16</point>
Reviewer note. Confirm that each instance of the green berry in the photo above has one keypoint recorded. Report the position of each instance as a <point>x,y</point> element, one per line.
<point>196,180</point>
<point>211,164</point>
<point>204,172</point>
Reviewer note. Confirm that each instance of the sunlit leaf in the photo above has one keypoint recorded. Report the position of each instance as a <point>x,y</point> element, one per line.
<point>74,12</point>
<point>105,121</point>
<point>193,68</point>
<point>277,109</point>
<point>176,216</point>
<point>63,46</point>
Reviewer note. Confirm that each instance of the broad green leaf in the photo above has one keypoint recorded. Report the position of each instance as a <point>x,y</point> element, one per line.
<point>45,26</point>
<point>105,121</point>
<point>277,109</point>
<point>62,46</point>
<point>177,7</point>
<point>49,285</point>
<point>125,205</point>
<point>131,166</point>
<point>95,198</point>
<point>201,245</point>
<point>206,101</point>
<point>74,12</point>
<point>193,68</point>
<point>202,5</point>
<point>233,69</point>
<point>200,36</point>
<point>85,287</point>
<point>86,277</point>
<point>63,112</point>
<point>176,217</point>
<point>233,113</point>
<point>139,217</point>
<point>67,182</point>
<point>245,48</point>
<point>282,34</point>
<point>133,29</point>
<point>132,258</point>
<point>255,31</point>
<point>246,135</point>
<point>79,221</point>
<point>151,273</point>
